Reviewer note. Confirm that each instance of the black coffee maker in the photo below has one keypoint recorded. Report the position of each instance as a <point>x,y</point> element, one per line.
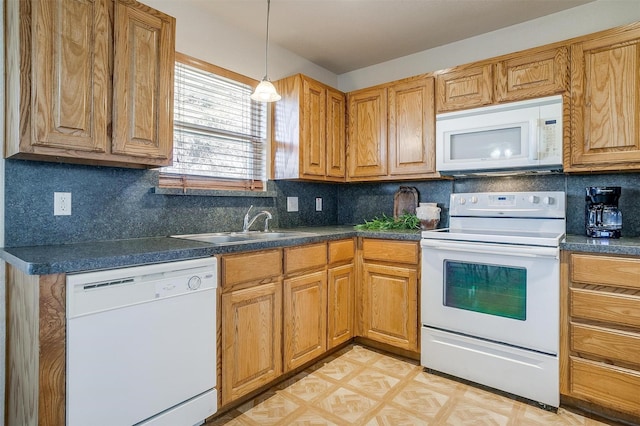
<point>603,219</point>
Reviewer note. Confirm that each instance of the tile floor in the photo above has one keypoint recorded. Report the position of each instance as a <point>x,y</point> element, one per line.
<point>360,386</point>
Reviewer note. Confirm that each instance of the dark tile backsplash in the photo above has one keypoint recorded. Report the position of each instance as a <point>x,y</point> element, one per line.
<point>114,203</point>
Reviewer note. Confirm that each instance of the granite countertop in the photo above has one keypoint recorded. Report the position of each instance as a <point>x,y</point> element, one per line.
<point>625,246</point>
<point>80,257</point>
<point>88,256</point>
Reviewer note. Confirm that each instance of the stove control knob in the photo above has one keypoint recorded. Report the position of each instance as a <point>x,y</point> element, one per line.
<point>473,200</point>
<point>462,201</point>
<point>548,200</point>
<point>533,199</point>
<point>194,282</point>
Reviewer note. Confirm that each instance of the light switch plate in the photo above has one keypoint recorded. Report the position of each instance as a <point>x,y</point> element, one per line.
<point>318,204</point>
<point>292,204</point>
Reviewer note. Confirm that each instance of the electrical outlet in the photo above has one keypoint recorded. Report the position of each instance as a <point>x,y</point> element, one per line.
<point>62,204</point>
<point>318,204</point>
<point>292,204</point>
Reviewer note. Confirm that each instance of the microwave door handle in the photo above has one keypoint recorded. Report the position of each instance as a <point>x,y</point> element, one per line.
<point>534,133</point>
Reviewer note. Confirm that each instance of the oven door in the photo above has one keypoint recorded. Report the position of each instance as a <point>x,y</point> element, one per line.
<point>498,292</point>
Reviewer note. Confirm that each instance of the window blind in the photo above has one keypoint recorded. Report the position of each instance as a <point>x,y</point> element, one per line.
<point>219,131</point>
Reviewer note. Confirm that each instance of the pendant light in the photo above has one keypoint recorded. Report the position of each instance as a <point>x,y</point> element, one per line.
<point>266,91</point>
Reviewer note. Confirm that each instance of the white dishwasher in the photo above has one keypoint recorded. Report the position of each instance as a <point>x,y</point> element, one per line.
<point>141,345</point>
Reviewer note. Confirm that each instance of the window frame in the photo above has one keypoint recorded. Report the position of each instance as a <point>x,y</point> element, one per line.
<point>187,181</point>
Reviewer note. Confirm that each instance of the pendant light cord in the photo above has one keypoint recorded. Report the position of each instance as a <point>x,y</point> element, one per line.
<point>266,50</point>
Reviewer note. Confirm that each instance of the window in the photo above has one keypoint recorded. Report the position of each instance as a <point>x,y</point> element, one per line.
<point>219,133</point>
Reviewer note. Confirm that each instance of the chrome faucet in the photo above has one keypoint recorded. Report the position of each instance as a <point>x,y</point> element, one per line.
<point>248,222</point>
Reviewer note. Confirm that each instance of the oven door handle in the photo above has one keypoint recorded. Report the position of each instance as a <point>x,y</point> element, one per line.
<point>488,248</point>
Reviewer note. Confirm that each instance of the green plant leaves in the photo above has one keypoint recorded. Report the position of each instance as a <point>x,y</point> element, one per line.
<point>385,223</point>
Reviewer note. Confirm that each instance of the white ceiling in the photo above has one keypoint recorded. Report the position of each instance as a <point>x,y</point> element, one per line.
<point>344,35</point>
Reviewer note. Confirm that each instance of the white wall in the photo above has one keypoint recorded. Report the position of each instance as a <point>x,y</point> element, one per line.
<point>202,35</point>
<point>589,18</point>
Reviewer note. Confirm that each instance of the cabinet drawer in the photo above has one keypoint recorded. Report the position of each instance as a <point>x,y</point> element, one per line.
<point>391,251</point>
<point>341,251</point>
<point>610,386</point>
<point>247,267</point>
<point>605,342</point>
<point>617,271</point>
<point>305,257</point>
<point>605,306</point>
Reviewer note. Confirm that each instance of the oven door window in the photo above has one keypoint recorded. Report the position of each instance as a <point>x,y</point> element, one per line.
<point>488,289</point>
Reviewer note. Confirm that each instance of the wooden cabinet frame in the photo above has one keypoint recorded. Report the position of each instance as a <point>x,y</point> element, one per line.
<point>36,349</point>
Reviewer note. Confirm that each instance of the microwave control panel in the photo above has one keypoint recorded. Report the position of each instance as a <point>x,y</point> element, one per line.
<point>550,132</point>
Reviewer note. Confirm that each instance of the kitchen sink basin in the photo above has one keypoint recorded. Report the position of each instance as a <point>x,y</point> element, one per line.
<point>220,238</point>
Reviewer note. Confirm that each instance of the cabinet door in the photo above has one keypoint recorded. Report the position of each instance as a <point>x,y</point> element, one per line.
<point>464,88</point>
<point>533,75</point>
<point>305,313</point>
<point>251,339</point>
<point>340,307</point>
<point>390,305</point>
<point>605,103</point>
<point>368,134</point>
<point>412,128</point>
<point>314,131</point>
<point>71,75</point>
<point>336,135</point>
<point>144,52</point>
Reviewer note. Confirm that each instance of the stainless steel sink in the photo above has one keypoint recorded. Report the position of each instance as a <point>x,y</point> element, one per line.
<point>224,238</point>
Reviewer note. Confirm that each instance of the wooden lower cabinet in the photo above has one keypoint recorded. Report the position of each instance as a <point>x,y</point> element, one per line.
<point>284,308</point>
<point>600,352</point>
<point>305,304</point>
<point>389,290</point>
<point>305,318</point>
<point>340,305</point>
<point>251,339</point>
<point>390,306</point>
<point>341,277</point>
<point>250,321</point>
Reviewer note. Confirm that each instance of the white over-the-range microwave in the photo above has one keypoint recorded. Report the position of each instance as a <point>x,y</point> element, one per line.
<point>501,139</point>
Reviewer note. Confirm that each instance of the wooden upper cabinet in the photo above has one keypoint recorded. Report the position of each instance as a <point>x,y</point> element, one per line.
<point>64,106</point>
<point>308,131</point>
<point>605,103</point>
<point>336,135</point>
<point>529,74</point>
<point>532,75</point>
<point>392,131</point>
<point>466,87</point>
<point>65,91</point>
<point>412,128</point>
<point>143,81</point>
<point>367,133</point>
<point>314,152</point>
